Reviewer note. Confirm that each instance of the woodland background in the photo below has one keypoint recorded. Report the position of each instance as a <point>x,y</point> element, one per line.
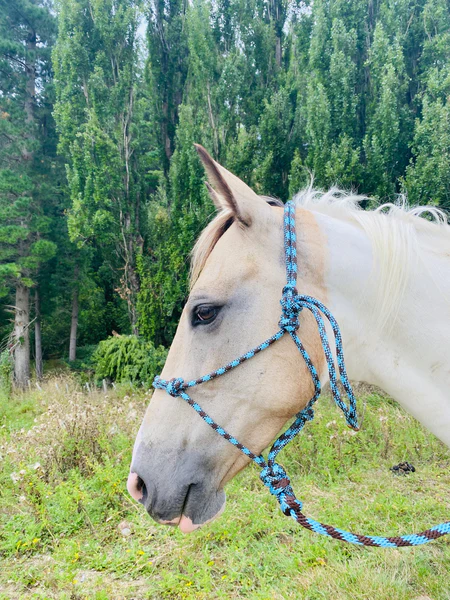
<point>101,191</point>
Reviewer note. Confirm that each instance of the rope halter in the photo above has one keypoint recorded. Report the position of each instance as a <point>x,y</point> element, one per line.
<point>272,474</point>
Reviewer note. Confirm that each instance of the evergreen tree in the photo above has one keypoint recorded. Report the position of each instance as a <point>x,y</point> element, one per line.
<point>354,93</point>
<point>276,145</point>
<point>428,175</point>
<point>103,118</point>
<point>167,67</point>
<point>385,143</point>
<point>203,74</point>
<point>174,224</point>
<point>318,129</point>
<point>26,34</point>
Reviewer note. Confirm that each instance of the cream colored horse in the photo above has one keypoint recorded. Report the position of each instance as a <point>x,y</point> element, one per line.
<point>386,279</point>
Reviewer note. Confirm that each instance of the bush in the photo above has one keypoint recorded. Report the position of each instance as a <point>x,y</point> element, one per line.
<point>84,360</point>
<point>128,358</point>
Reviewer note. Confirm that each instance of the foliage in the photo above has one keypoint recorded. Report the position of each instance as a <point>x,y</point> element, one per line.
<point>101,113</point>
<point>428,174</point>
<point>84,360</point>
<point>6,372</point>
<point>354,93</point>
<point>174,224</point>
<point>29,169</point>
<point>275,126</point>
<point>101,310</point>
<point>127,358</point>
<point>64,526</point>
<point>357,96</point>
<point>166,69</point>
<point>26,30</point>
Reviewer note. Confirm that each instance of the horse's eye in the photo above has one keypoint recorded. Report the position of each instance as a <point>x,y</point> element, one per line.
<point>205,314</point>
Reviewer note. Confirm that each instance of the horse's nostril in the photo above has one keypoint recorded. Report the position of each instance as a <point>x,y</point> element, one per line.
<point>136,487</point>
<point>142,489</point>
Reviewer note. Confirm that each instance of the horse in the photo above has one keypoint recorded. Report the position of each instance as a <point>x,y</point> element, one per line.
<point>383,273</point>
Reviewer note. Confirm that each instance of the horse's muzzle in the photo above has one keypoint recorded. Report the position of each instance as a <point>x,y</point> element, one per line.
<point>176,488</point>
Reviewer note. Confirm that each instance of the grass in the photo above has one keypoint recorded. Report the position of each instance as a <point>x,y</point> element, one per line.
<point>69,530</point>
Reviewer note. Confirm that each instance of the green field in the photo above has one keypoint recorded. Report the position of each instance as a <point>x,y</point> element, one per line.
<point>70,531</point>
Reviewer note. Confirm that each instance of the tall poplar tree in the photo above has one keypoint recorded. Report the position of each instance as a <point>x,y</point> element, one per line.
<point>167,67</point>
<point>103,119</point>
<point>183,210</point>
<point>428,174</point>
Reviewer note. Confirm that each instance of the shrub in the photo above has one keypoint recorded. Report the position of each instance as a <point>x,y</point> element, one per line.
<point>83,361</point>
<point>128,358</point>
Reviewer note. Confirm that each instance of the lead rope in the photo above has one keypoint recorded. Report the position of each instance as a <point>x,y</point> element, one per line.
<point>273,474</point>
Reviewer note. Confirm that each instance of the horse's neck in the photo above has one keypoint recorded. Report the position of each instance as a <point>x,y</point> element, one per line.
<point>408,360</point>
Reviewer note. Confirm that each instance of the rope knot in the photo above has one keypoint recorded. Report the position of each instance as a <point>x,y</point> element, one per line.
<point>175,386</point>
<point>276,479</point>
<point>291,305</point>
<point>307,413</point>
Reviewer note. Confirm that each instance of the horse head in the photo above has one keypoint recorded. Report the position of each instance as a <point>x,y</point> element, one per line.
<point>180,465</point>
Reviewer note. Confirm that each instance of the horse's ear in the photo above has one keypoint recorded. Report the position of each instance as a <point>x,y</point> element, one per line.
<point>217,201</point>
<point>228,191</point>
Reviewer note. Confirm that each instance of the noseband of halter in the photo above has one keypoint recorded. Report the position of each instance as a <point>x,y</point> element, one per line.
<point>273,474</point>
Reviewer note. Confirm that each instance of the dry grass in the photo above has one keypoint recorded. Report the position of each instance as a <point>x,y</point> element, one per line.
<point>72,424</point>
<point>62,517</point>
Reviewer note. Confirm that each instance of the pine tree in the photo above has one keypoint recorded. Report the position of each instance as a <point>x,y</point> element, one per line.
<point>26,34</point>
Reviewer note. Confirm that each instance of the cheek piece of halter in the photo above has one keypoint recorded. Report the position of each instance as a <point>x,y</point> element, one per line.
<point>273,474</point>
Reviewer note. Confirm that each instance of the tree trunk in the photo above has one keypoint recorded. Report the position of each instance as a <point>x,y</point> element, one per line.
<point>134,285</point>
<point>277,14</point>
<point>74,323</point>
<point>22,336</point>
<point>22,304</point>
<point>165,132</point>
<point>30,96</point>
<point>129,282</point>
<point>30,68</point>
<point>37,336</point>
<point>278,51</point>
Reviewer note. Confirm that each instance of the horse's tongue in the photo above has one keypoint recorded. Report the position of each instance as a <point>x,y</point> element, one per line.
<point>186,525</point>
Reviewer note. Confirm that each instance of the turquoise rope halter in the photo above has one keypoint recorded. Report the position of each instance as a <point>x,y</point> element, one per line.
<point>273,474</point>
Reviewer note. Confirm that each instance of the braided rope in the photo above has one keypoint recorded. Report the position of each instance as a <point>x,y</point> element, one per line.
<point>272,474</point>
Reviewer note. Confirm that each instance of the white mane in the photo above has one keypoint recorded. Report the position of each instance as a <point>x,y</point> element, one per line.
<point>398,235</point>
<point>399,239</point>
